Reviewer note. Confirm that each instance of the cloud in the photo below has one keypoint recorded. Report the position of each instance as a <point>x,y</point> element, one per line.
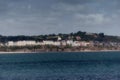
<point>95,19</point>
<point>34,17</point>
<point>74,2</point>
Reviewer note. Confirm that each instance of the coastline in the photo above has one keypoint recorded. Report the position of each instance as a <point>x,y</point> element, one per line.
<point>15,52</point>
<point>89,51</point>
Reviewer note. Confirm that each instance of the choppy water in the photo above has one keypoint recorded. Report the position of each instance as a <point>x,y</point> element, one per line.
<point>59,66</point>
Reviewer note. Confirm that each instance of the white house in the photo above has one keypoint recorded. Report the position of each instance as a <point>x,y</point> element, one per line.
<point>69,42</point>
<point>76,43</point>
<point>21,43</point>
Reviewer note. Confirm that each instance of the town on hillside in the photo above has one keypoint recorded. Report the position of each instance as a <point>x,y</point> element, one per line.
<point>73,42</point>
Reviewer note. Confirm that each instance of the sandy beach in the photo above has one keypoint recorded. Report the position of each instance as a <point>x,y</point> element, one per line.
<point>15,52</point>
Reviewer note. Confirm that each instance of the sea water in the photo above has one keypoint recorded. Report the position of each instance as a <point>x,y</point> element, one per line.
<point>60,66</point>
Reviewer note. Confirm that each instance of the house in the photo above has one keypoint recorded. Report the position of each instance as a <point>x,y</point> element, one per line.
<point>20,43</point>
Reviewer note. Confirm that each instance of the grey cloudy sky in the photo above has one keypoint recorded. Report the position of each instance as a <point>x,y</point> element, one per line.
<point>33,17</point>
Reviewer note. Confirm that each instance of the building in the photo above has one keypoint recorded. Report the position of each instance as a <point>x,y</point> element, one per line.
<point>20,43</point>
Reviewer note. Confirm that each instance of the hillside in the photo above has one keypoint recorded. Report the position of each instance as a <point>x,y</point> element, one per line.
<point>78,36</point>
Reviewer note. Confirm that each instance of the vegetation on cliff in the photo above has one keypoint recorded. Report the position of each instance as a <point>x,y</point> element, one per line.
<point>83,36</point>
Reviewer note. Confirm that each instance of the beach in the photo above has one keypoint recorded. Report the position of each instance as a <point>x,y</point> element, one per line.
<point>15,52</point>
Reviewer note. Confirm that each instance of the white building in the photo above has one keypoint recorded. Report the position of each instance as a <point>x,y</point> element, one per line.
<point>59,38</point>
<point>21,43</point>
<point>1,44</point>
<point>48,42</point>
<point>76,43</point>
<point>10,43</point>
<point>56,43</point>
<point>83,43</point>
<point>69,42</point>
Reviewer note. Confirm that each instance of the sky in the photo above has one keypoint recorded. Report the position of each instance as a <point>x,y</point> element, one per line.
<point>36,17</point>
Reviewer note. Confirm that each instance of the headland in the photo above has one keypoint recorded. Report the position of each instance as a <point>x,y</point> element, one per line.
<point>72,42</point>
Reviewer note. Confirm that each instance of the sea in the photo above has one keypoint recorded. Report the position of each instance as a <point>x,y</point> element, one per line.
<point>60,66</point>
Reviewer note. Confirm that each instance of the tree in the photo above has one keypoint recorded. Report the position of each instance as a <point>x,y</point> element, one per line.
<point>101,35</point>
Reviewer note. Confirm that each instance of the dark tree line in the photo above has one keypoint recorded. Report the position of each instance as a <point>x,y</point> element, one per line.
<point>83,35</point>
